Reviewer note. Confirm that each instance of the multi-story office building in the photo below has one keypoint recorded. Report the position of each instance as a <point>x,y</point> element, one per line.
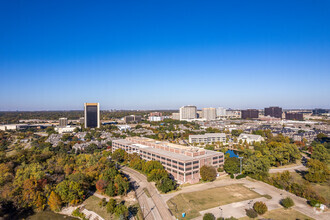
<point>158,114</point>
<point>319,111</point>
<point>221,112</point>
<point>182,162</point>
<point>209,114</point>
<point>92,115</point>
<point>294,116</point>
<point>208,138</point>
<point>231,113</point>
<point>275,112</point>
<point>250,113</point>
<point>176,116</point>
<point>132,118</point>
<point>63,122</point>
<point>188,112</point>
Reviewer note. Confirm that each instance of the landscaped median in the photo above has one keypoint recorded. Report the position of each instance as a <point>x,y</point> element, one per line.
<point>193,202</point>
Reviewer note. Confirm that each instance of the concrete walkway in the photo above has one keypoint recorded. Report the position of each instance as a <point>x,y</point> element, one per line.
<point>290,169</point>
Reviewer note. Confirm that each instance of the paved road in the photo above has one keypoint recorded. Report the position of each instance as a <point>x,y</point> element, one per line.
<point>153,207</point>
<point>290,169</point>
<point>238,209</point>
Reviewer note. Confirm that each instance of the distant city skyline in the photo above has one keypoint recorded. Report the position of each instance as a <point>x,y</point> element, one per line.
<point>164,55</point>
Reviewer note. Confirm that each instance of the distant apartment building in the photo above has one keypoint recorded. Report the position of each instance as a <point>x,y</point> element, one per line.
<point>250,138</point>
<point>230,113</point>
<point>208,138</point>
<point>176,116</point>
<point>199,114</point>
<point>275,112</point>
<point>158,114</point>
<point>182,162</point>
<point>221,112</point>
<point>63,122</point>
<point>132,118</point>
<point>92,115</point>
<point>250,114</point>
<point>209,114</point>
<point>188,112</point>
<point>155,118</point>
<point>294,116</point>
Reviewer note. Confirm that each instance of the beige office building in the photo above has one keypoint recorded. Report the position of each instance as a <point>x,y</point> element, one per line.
<point>209,114</point>
<point>188,112</point>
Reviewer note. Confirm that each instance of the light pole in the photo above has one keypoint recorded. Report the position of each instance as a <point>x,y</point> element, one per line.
<point>240,159</point>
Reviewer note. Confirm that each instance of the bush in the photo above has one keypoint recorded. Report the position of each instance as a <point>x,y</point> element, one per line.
<point>220,169</point>
<point>251,213</point>
<point>287,202</point>
<point>241,176</point>
<point>314,202</point>
<point>260,208</point>
<point>232,176</point>
<point>103,202</point>
<point>79,214</point>
<point>208,216</point>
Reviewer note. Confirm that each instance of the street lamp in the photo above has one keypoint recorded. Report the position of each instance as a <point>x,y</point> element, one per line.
<point>220,212</point>
<point>240,159</point>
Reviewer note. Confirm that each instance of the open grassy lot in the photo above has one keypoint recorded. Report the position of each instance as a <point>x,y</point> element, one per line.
<point>193,202</point>
<point>50,216</point>
<point>92,204</point>
<point>280,214</point>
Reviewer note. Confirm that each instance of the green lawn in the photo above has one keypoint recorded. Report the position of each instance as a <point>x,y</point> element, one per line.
<point>192,203</point>
<point>280,214</point>
<point>92,204</point>
<point>50,216</point>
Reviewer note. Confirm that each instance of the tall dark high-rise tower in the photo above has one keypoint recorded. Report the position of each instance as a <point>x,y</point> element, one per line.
<point>275,112</point>
<point>92,115</point>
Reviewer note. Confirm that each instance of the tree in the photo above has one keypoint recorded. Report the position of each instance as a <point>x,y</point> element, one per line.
<point>121,211</point>
<point>251,213</point>
<point>321,153</point>
<point>208,216</point>
<point>232,165</point>
<point>111,206</point>
<point>152,165</point>
<point>260,207</point>
<point>208,173</point>
<point>157,174</point>
<point>54,202</point>
<point>317,172</point>
<point>101,185</point>
<point>287,202</point>
<point>165,185</point>
<point>119,155</point>
<point>70,192</point>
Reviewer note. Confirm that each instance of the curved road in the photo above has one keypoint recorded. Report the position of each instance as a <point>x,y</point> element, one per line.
<point>153,207</point>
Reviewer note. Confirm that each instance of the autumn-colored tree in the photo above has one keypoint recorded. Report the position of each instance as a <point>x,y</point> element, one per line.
<point>208,173</point>
<point>101,185</point>
<point>54,201</point>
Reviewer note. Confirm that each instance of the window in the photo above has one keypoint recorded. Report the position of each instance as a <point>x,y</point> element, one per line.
<point>195,162</point>
<point>195,167</point>
<point>180,163</point>
<point>214,158</point>
<point>187,169</point>
<point>189,163</point>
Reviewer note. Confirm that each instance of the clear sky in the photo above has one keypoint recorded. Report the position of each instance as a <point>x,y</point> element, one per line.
<point>163,54</point>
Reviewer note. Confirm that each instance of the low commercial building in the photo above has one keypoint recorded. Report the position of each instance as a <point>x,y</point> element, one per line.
<point>132,118</point>
<point>182,162</point>
<point>250,138</point>
<point>155,118</point>
<point>66,129</point>
<point>208,138</point>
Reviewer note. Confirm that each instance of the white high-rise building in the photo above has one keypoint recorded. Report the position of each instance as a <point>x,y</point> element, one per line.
<point>188,112</point>
<point>221,112</point>
<point>209,114</point>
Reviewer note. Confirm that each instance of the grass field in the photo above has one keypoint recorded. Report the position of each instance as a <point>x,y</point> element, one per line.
<point>50,216</point>
<point>192,203</point>
<point>92,204</point>
<point>281,214</point>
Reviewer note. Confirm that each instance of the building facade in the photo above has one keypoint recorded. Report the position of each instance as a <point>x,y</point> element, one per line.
<point>182,162</point>
<point>275,112</point>
<point>208,138</point>
<point>176,116</point>
<point>188,112</point>
<point>221,112</point>
<point>63,122</point>
<point>250,113</point>
<point>92,115</point>
<point>132,118</point>
<point>209,114</point>
<point>294,116</point>
<point>250,138</point>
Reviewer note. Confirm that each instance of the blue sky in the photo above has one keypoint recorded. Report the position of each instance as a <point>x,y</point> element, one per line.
<point>56,55</point>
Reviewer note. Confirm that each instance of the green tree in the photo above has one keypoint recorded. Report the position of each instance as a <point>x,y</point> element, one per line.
<point>152,165</point>
<point>165,185</point>
<point>321,153</point>
<point>70,192</point>
<point>111,206</point>
<point>317,171</point>
<point>119,155</point>
<point>157,174</point>
<point>208,173</point>
<point>121,211</point>
<point>208,216</point>
<point>260,207</point>
<point>287,202</point>
<point>232,165</point>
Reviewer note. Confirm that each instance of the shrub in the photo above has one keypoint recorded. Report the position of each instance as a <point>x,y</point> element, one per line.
<point>220,169</point>
<point>208,216</point>
<point>232,176</point>
<point>79,214</point>
<point>313,202</point>
<point>251,213</point>
<point>241,176</point>
<point>103,202</point>
<point>260,207</point>
<point>287,202</point>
